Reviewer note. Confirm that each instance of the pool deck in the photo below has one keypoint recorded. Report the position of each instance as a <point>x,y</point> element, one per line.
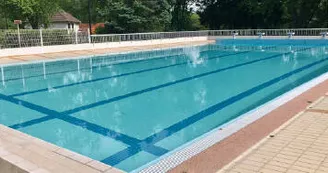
<point>70,54</point>
<point>293,137</point>
<point>300,145</point>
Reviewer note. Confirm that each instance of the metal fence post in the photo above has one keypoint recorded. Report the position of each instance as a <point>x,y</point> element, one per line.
<point>89,36</point>
<point>41,38</point>
<point>19,39</point>
<point>76,41</point>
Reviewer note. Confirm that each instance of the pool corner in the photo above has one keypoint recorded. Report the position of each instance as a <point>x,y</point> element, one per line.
<point>22,153</point>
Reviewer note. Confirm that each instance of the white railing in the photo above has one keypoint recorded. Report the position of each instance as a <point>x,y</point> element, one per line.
<point>146,36</point>
<point>106,38</point>
<point>41,37</point>
<point>47,37</point>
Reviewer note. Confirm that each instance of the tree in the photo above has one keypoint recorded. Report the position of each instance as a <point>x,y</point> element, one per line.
<point>230,14</point>
<point>35,12</point>
<point>320,18</point>
<point>123,16</point>
<point>195,23</point>
<point>304,12</point>
<point>135,16</point>
<point>79,9</point>
<point>3,19</point>
<point>181,14</point>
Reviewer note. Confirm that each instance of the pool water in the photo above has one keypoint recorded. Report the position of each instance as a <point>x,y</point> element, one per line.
<point>127,110</point>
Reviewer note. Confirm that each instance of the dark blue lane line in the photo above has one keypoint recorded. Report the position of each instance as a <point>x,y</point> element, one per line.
<point>120,75</point>
<point>117,98</point>
<point>105,65</point>
<point>209,111</point>
<point>86,68</point>
<point>122,155</point>
<point>39,120</point>
<point>31,122</point>
<point>30,105</point>
<point>87,125</point>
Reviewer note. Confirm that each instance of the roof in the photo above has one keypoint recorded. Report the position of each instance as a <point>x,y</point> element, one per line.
<point>63,16</point>
<point>85,26</point>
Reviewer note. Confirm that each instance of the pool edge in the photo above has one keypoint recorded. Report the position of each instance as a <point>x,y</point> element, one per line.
<point>95,54</point>
<point>178,159</point>
<point>18,153</point>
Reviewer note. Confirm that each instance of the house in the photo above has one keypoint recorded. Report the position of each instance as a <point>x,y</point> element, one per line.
<point>64,20</point>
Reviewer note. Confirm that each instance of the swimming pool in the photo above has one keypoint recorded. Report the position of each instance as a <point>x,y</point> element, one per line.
<point>127,110</point>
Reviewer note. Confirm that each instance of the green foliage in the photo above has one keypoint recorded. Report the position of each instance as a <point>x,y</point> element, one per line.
<point>80,9</point>
<point>135,16</point>
<point>35,12</point>
<point>219,14</point>
<point>126,16</point>
<point>195,23</point>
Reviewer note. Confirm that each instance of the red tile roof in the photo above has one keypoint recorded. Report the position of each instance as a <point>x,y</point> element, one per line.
<point>63,16</point>
<point>85,26</point>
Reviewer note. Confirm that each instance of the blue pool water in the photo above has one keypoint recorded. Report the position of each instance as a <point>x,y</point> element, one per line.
<point>127,110</point>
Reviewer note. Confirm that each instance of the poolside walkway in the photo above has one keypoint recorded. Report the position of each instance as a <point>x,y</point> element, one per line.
<point>298,146</point>
<point>70,54</point>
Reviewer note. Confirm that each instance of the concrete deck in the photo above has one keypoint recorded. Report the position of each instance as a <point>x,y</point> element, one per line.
<point>71,54</point>
<point>299,146</point>
<point>21,153</point>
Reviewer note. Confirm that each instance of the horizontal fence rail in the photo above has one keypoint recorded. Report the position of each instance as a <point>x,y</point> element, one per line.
<point>48,37</point>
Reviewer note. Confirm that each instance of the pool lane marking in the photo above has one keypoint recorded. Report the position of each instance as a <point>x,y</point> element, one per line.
<point>106,65</point>
<point>132,148</point>
<point>122,155</point>
<point>120,75</point>
<point>52,114</point>
<point>87,68</point>
<point>31,122</point>
<point>36,121</point>
<point>117,98</point>
<point>136,149</point>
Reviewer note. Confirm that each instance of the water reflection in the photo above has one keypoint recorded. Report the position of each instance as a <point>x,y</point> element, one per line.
<point>193,53</point>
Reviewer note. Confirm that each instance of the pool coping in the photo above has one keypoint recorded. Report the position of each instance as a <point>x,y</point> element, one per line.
<point>94,53</point>
<point>12,142</point>
<point>171,160</point>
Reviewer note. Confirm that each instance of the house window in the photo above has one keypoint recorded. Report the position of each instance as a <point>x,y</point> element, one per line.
<point>72,25</point>
<point>69,26</point>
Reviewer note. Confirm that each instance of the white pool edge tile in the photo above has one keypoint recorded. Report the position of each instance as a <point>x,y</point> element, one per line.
<point>26,165</point>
